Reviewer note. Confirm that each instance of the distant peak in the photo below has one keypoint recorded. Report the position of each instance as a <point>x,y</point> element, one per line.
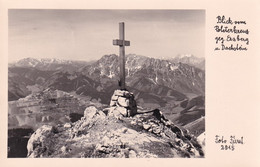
<point>184,55</point>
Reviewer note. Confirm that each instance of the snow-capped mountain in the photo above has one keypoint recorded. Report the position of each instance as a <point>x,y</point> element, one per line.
<point>190,59</point>
<point>178,76</point>
<point>50,64</point>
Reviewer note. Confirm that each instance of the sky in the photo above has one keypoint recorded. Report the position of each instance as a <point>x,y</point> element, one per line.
<point>88,34</point>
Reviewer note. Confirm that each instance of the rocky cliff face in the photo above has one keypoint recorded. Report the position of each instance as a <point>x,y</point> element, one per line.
<point>141,70</point>
<point>102,135</point>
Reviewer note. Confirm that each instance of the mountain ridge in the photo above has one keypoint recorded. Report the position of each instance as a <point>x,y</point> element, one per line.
<point>50,64</point>
<point>140,70</point>
<point>41,93</point>
<point>178,76</point>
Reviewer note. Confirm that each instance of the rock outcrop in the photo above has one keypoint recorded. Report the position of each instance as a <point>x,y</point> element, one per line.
<point>101,134</point>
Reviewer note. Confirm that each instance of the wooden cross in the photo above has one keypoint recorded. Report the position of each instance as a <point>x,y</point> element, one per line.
<point>122,43</point>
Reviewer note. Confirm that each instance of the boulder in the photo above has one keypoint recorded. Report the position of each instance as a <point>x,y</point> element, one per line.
<point>124,102</point>
<point>201,139</point>
<point>39,139</point>
<point>114,97</point>
<point>64,149</point>
<point>90,112</point>
<point>132,154</point>
<point>114,113</point>
<point>146,126</point>
<point>112,103</point>
<point>119,92</point>
<point>123,111</point>
<point>119,111</point>
<point>67,125</point>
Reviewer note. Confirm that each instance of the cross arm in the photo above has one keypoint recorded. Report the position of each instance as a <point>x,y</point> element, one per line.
<point>121,42</point>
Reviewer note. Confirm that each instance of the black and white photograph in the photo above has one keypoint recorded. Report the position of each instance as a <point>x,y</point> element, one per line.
<point>106,83</point>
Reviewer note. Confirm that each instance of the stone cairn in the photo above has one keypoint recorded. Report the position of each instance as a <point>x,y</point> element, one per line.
<point>123,103</point>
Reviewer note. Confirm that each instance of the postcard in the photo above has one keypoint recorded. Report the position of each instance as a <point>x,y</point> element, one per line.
<point>142,83</point>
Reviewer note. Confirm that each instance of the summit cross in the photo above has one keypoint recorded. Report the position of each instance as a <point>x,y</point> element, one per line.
<point>121,42</point>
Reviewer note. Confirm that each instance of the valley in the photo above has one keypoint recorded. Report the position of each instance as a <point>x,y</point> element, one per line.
<point>53,92</point>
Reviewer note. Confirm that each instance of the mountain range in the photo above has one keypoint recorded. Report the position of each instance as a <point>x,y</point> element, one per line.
<point>155,82</point>
<point>143,74</point>
<point>42,91</point>
<point>50,64</point>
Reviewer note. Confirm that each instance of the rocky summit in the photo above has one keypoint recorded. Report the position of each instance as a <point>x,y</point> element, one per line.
<point>49,97</point>
<point>100,134</point>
